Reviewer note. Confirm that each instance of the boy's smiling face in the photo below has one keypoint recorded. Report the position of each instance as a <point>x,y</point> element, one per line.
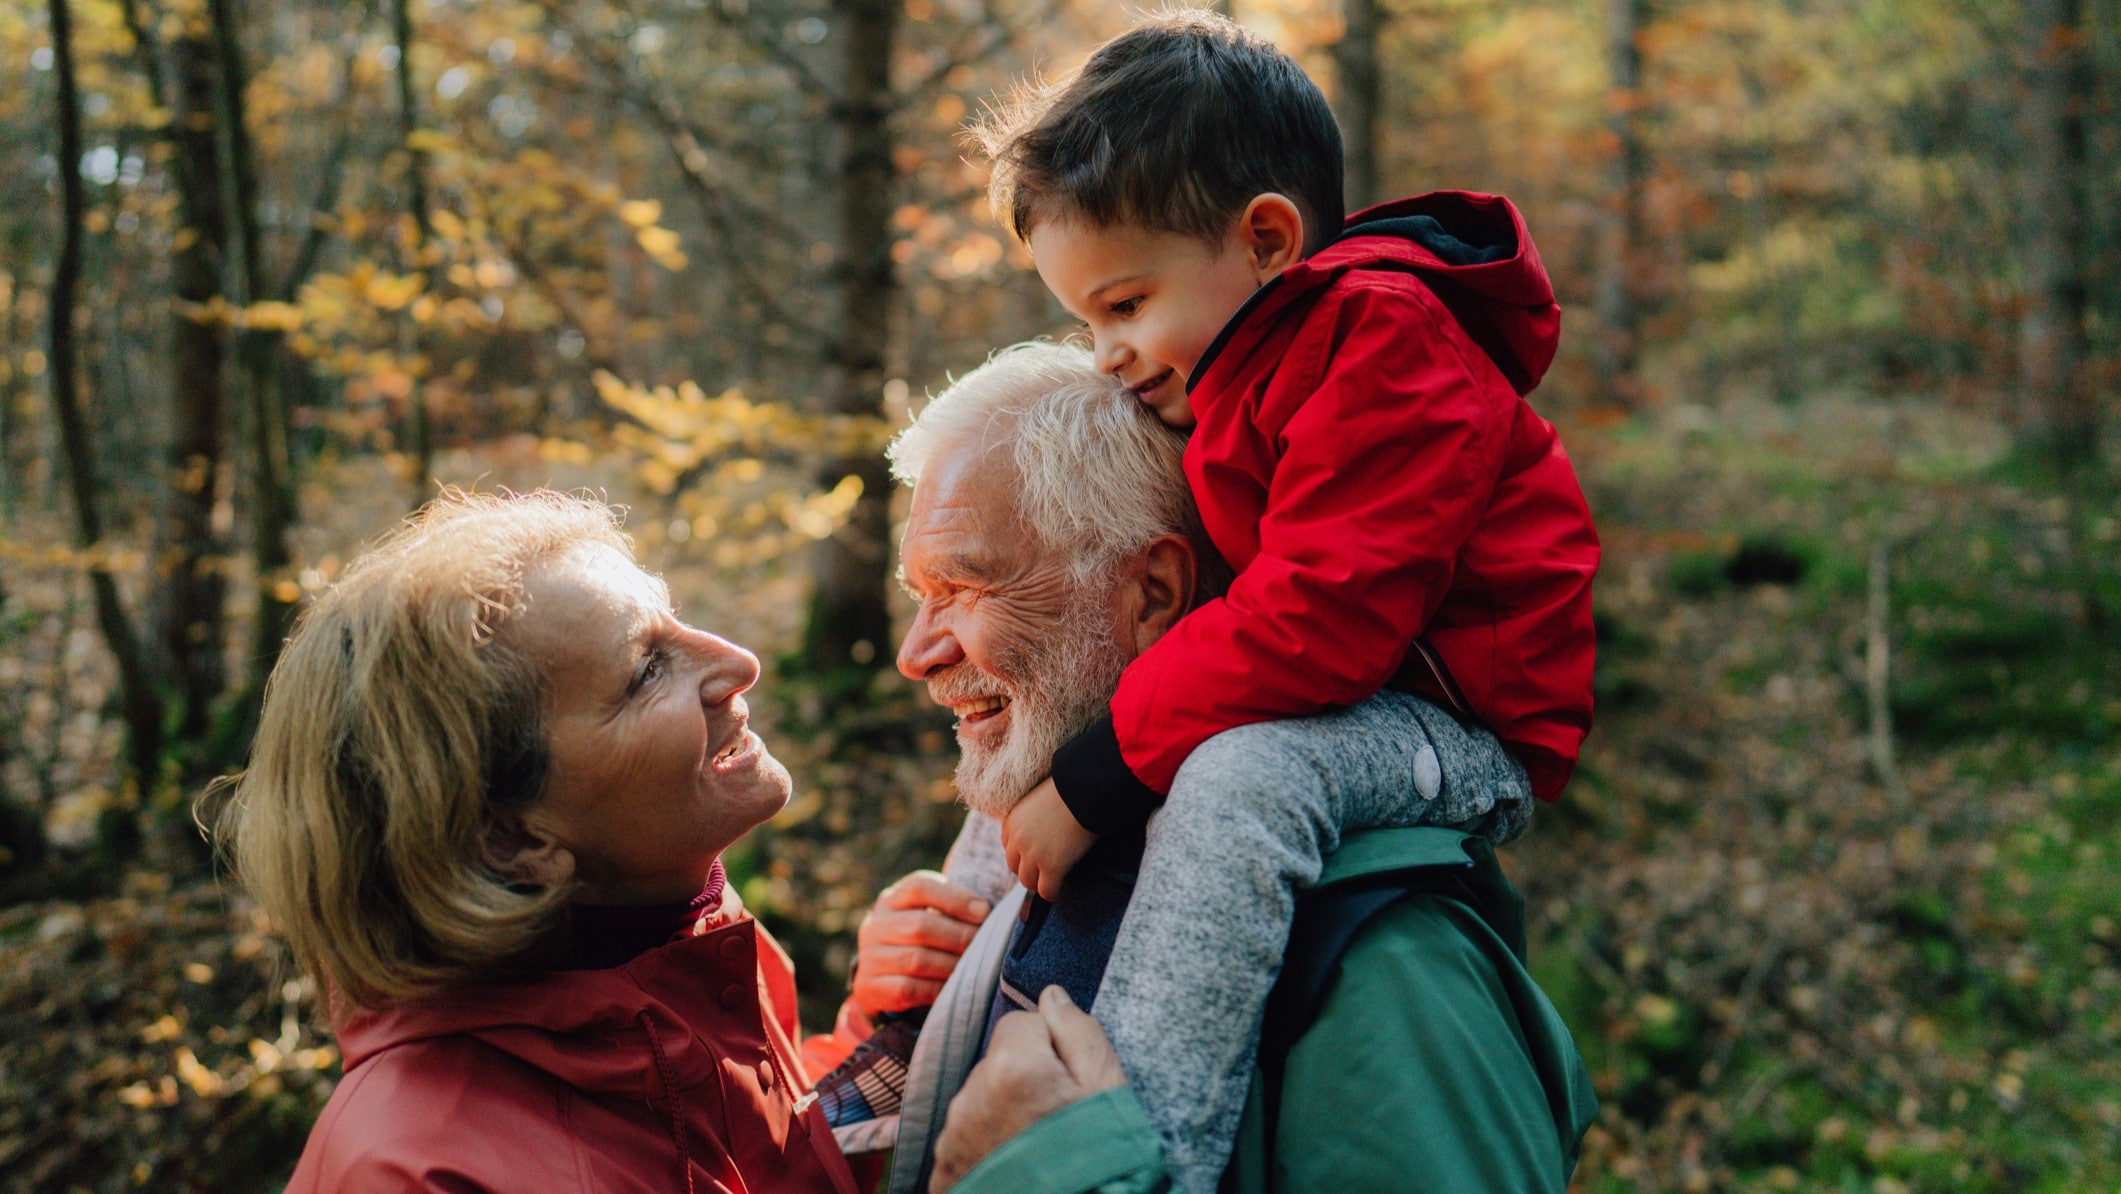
<point>1153,301</point>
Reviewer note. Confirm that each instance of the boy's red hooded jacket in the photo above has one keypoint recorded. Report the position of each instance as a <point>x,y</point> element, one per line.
<point>1365,461</point>
<point>675,1071</point>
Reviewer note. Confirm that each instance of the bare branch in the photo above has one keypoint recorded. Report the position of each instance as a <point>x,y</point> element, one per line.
<point>143,705</point>
<point>720,207</point>
<point>998,36</point>
<point>328,182</point>
<point>149,53</point>
<point>767,42</point>
<point>1877,674</point>
<point>327,197</point>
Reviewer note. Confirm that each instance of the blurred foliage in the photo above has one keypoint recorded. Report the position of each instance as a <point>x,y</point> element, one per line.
<point>1786,972</point>
<point>1784,976</point>
<point>159,1042</point>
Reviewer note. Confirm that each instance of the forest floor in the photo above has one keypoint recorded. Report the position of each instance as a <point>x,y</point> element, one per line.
<point>1788,967</point>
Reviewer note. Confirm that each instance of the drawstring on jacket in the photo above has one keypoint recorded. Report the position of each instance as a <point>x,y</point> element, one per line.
<point>670,1089</point>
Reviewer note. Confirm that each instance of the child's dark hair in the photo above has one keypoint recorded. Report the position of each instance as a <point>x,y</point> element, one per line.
<point>1174,125</point>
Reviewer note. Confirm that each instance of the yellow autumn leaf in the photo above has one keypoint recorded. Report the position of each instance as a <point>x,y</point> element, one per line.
<point>641,213</point>
<point>214,311</point>
<point>322,303</point>
<point>662,244</point>
<point>204,1082</point>
<point>272,317</point>
<point>391,382</point>
<point>389,292</point>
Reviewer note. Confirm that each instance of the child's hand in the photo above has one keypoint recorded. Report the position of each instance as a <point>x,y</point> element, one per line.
<point>1043,840</point>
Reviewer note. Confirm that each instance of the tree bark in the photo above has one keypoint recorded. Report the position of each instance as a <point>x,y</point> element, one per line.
<point>1613,356</point>
<point>272,496</point>
<point>9,388</point>
<point>419,445</point>
<point>136,687</point>
<point>193,558</point>
<point>848,630</point>
<point>1355,59</point>
<point>2058,420</point>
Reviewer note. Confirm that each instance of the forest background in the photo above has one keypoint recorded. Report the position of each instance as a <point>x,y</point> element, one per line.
<point>1832,902</point>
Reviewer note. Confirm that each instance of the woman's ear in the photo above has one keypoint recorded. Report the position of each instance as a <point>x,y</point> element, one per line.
<point>519,848</point>
<point>1273,233</point>
<point>1161,589</point>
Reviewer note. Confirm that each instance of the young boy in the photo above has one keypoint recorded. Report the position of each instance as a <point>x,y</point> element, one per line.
<point>1406,533</point>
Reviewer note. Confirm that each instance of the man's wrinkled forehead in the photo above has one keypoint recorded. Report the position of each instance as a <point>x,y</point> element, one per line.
<point>964,513</point>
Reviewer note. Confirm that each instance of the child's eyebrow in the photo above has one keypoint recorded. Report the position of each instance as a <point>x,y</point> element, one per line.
<point>1114,284</point>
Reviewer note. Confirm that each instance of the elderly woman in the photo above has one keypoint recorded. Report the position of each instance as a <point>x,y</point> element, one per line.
<point>486,805</point>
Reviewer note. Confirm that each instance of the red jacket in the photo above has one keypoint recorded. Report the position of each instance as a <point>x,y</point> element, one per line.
<point>1365,461</point>
<point>665,1074</point>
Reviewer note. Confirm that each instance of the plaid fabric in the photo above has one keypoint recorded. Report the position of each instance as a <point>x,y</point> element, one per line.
<point>871,1083</point>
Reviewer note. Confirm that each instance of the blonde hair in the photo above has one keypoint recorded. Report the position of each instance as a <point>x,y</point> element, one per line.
<point>395,727</point>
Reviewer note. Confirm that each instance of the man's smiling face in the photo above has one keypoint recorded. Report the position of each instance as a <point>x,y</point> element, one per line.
<point>1003,637</point>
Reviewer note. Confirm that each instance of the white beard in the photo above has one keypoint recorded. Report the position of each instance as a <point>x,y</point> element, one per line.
<point>1056,686</point>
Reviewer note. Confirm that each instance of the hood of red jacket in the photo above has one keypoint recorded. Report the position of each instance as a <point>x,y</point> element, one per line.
<point>1472,250</point>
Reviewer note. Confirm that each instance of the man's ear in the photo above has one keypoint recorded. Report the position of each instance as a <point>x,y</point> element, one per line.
<point>1160,589</point>
<point>522,849</point>
<point>1273,233</point>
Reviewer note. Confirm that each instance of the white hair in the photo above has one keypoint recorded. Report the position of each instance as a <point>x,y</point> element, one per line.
<point>1099,476</point>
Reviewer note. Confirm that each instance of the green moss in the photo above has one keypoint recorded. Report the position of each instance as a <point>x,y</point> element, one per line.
<point>1696,574</point>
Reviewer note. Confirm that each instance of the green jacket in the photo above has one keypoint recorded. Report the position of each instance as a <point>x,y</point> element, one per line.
<point>1435,1063</point>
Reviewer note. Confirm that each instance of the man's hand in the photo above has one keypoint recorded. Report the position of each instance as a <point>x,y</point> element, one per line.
<point>1035,1065</point>
<point>910,942</point>
<point>1043,841</point>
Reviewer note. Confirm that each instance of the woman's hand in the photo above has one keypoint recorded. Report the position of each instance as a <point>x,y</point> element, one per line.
<point>1043,841</point>
<point>911,940</point>
<point>1035,1065</point>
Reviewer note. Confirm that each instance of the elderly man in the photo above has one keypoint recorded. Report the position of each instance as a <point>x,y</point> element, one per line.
<point>1051,540</point>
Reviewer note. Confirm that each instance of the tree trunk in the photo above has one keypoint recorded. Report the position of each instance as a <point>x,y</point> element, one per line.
<point>2059,418</point>
<point>9,389</point>
<point>193,557</point>
<point>1355,58</point>
<point>271,481</point>
<point>419,444</point>
<point>136,688</point>
<point>848,631</point>
<point>1613,354</point>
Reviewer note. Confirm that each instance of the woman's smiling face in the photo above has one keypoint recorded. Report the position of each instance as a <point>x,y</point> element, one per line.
<point>653,770</point>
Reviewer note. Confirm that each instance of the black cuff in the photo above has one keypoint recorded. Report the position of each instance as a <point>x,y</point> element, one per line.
<point>1096,784</point>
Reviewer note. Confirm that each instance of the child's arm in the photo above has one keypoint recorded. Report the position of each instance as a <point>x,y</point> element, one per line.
<point>1386,468</point>
<point>1043,840</point>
